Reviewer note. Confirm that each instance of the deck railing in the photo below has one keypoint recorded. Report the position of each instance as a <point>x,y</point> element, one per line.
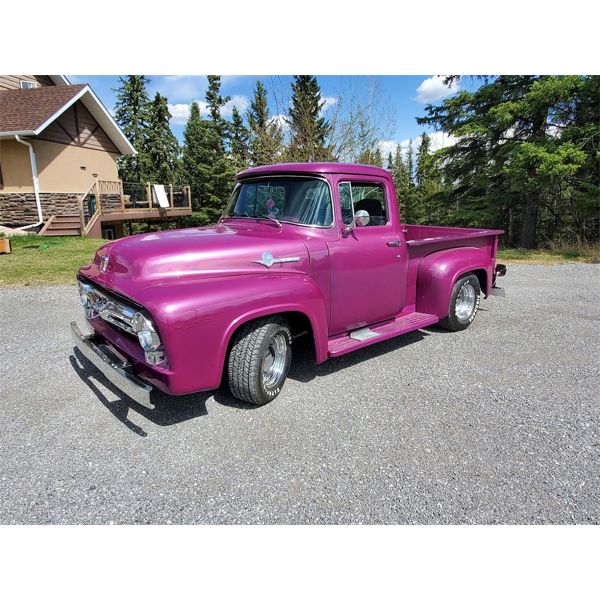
<point>124,196</point>
<point>90,208</point>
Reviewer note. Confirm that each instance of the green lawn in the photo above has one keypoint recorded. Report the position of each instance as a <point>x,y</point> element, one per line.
<point>590,254</point>
<point>39,260</point>
<point>53,260</point>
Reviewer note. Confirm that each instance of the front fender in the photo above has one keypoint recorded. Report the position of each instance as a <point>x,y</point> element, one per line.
<point>197,320</point>
<point>439,271</point>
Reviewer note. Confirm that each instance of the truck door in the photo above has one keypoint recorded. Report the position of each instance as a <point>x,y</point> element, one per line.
<point>368,263</point>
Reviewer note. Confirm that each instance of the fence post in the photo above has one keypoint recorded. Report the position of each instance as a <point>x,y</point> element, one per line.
<point>171,194</point>
<point>81,215</point>
<point>98,200</point>
<point>189,196</point>
<point>149,195</point>
<point>122,195</point>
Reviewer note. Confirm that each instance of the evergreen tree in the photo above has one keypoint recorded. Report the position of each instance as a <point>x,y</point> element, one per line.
<point>215,103</point>
<point>161,146</point>
<point>399,173</point>
<point>222,167</point>
<point>522,161</point>
<point>206,165</point>
<point>132,113</point>
<point>410,164</point>
<point>309,129</point>
<point>196,162</point>
<point>218,183</point>
<point>266,138</point>
<point>427,205</point>
<point>370,156</point>
<point>239,141</point>
<point>376,158</point>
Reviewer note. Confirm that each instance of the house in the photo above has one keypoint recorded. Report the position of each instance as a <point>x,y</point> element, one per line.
<point>58,163</point>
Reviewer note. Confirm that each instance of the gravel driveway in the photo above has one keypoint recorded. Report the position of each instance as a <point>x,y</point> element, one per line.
<point>496,424</point>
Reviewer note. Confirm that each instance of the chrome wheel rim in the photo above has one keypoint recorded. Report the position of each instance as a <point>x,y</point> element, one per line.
<point>465,302</point>
<point>274,360</point>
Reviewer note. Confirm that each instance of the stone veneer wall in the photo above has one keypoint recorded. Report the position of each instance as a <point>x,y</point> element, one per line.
<point>19,208</point>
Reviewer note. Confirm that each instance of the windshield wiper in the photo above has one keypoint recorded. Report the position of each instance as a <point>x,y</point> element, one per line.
<point>247,216</point>
<point>263,216</point>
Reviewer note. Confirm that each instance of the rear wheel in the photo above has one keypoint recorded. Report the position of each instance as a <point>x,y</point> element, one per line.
<point>464,303</point>
<point>259,360</point>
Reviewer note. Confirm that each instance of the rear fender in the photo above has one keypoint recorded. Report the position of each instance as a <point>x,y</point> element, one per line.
<point>439,271</point>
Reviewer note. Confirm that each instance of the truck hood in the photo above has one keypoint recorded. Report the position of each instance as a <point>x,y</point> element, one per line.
<point>133,263</point>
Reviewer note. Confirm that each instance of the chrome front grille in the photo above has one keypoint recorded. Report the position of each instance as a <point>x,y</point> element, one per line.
<point>98,304</point>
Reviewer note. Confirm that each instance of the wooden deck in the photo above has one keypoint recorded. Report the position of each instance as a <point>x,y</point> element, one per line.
<point>114,202</point>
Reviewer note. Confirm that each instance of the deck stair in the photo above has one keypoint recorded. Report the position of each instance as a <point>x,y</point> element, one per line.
<point>377,333</point>
<point>69,224</point>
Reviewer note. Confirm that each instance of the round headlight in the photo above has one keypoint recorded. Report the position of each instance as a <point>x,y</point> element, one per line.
<point>148,340</point>
<point>141,323</point>
<point>147,336</point>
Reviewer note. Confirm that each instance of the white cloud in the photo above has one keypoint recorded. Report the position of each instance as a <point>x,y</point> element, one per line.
<point>181,112</point>
<point>434,89</point>
<point>328,102</point>
<point>439,140</point>
<point>281,120</point>
<point>179,88</point>
<point>241,102</point>
<point>385,147</point>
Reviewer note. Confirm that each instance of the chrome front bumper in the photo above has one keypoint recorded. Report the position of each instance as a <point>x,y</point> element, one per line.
<point>112,367</point>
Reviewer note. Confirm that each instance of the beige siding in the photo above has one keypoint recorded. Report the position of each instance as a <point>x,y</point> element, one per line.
<point>77,127</point>
<point>13,82</point>
<point>61,168</point>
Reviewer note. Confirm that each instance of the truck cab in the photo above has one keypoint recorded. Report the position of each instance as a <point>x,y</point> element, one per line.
<point>314,248</point>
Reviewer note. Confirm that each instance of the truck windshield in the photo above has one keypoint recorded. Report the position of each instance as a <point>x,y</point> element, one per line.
<point>299,200</point>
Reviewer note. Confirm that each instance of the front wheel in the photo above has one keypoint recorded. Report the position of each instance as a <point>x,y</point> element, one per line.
<point>260,359</point>
<point>464,303</point>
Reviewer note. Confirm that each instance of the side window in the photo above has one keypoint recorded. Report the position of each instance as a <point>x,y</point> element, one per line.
<point>363,195</point>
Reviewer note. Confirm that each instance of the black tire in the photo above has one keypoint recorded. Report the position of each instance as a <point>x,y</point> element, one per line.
<point>252,346</point>
<point>453,321</point>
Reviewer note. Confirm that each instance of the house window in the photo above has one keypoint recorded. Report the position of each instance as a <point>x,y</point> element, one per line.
<point>1,178</point>
<point>26,85</point>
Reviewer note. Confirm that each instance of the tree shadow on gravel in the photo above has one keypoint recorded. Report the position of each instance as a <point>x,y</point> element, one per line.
<point>168,410</point>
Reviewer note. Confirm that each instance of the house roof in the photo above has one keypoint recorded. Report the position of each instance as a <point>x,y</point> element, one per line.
<point>27,112</point>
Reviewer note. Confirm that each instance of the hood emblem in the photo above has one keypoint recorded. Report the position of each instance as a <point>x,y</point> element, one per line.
<point>268,261</point>
<point>104,264</point>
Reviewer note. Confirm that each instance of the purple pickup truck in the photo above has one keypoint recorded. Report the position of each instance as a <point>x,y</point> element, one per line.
<point>316,249</point>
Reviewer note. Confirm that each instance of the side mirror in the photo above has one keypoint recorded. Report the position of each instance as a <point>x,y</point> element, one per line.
<point>361,218</point>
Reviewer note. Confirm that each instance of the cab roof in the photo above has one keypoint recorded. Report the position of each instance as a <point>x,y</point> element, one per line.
<point>321,168</point>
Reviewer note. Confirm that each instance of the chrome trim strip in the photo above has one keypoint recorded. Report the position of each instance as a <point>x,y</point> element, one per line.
<point>114,371</point>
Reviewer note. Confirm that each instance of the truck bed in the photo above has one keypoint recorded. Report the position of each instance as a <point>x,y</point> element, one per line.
<point>420,235</point>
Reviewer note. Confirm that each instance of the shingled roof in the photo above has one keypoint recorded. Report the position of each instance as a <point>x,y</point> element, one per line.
<point>28,112</point>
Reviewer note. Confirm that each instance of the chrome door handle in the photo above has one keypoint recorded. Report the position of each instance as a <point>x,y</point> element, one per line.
<point>394,244</point>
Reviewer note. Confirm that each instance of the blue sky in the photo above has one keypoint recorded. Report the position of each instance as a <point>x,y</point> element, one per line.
<point>403,98</point>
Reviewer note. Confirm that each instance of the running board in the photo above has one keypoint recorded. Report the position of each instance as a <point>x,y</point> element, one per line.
<point>366,336</point>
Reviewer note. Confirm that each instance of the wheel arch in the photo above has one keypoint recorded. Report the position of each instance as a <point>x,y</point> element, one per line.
<point>439,271</point>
